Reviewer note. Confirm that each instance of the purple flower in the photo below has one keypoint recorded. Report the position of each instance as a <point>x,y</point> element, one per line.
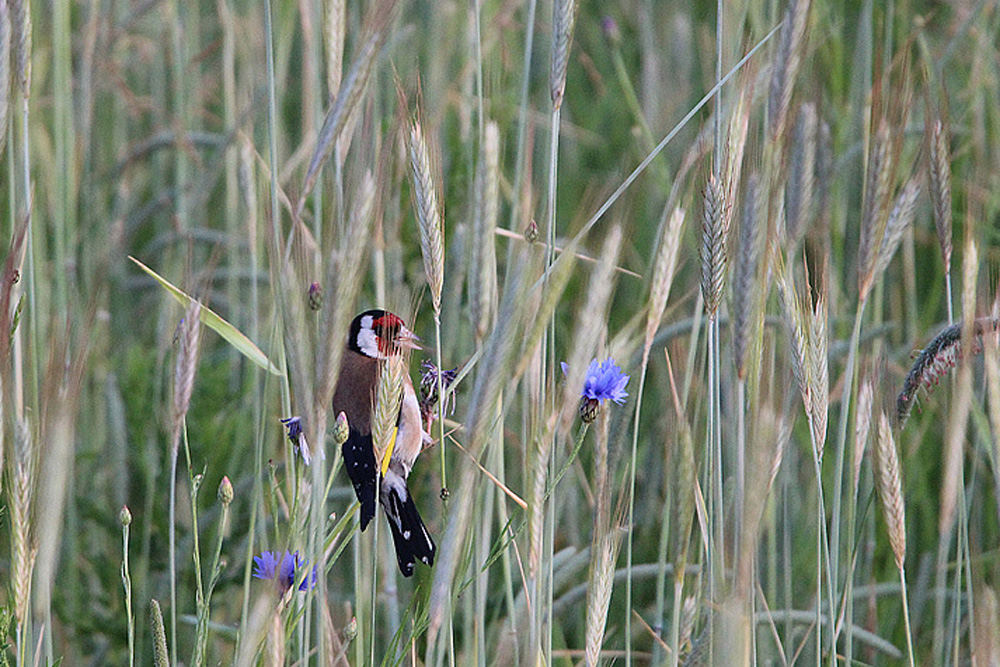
<point>270,565</point>
<point>428,389</point>
<point>609,28</point>
<point>605,381</point>
<point>293,426</point>
<point>315,297</point>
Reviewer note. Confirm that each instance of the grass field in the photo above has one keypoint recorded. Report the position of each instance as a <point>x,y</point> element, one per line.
<point>780,221</point>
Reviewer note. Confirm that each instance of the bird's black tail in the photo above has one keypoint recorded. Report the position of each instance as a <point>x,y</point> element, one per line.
<point>409,535</point>
<point>359,459</point>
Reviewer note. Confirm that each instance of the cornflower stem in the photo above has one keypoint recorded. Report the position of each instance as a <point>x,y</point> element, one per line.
<point>572,457</point>
<point>203,613</point>
<point>838,484</point>
<point>127,583</point>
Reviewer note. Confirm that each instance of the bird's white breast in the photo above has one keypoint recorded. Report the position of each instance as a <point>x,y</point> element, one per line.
<point>409,440</point>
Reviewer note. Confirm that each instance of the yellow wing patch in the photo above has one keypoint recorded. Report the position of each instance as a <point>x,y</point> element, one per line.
<point>388,451</point>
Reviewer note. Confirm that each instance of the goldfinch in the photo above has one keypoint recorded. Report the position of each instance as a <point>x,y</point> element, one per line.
<point>375,336</point>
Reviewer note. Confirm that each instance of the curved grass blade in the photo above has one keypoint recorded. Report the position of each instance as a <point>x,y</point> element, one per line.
<point>216,323</point>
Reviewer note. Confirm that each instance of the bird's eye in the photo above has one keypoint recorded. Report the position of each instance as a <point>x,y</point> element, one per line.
<point>384,329</point>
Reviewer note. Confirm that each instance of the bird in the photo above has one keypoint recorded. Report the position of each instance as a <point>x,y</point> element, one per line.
<point>375,336</point>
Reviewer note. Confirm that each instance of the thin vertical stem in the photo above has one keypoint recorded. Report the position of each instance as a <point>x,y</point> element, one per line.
<point>838,484</point>
<point>717,433</point>
<point>127,582</point>
<point>172,539</point>
<point>947,289</point>
<point>522,135</point>
<point>631,509</point>
<point>741,449</point>
<point>547,362</point>
<point>906,615</point>
<point>374,588</point>
<point>711,466</point>
<point>441,398</point>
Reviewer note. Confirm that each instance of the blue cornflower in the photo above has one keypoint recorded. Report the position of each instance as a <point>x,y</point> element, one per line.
<point>271,565</point>
<point>604,381</point>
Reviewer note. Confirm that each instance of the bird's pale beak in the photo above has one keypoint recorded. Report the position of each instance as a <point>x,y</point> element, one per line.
<point>408,339</point>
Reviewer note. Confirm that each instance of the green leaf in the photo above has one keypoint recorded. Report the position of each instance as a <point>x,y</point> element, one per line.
<point>213,321</point>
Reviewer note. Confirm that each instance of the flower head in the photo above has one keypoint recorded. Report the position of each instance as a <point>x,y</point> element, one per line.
<point>428,389</point>
<point>270,565</point>
<point>341,429</point>
<point>315,296</point>
<point>610,30</point>
<point>531,232</point>
<point>225,491</point>
<point>605,381</point>
<point>293,427</point>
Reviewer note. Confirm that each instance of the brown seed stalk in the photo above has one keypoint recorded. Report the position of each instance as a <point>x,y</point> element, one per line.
<point>428,213</point>
<point>563,21</point>
<point>713,246</point>
<point>939,174</point>
<point>889,482</point>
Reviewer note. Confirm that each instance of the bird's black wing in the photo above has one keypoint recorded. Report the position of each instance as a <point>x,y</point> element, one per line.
<point>409,535</point>
<point>359,459</point>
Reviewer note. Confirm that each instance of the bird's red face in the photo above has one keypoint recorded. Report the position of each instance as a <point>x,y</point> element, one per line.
<point>380,334</point>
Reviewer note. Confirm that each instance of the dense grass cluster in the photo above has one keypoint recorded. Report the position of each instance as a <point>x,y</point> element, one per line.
<point>778,220</point>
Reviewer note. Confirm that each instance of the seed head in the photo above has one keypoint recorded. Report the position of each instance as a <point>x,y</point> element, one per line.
<point>341,429</point>
<point>315,297</point>
<point>225,491</point>
<point>531,232</point>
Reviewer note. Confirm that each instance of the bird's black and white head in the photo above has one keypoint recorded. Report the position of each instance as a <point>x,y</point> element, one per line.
<point>380,334</point>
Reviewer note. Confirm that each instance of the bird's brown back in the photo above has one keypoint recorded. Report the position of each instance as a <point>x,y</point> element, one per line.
<point>356,389</point>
